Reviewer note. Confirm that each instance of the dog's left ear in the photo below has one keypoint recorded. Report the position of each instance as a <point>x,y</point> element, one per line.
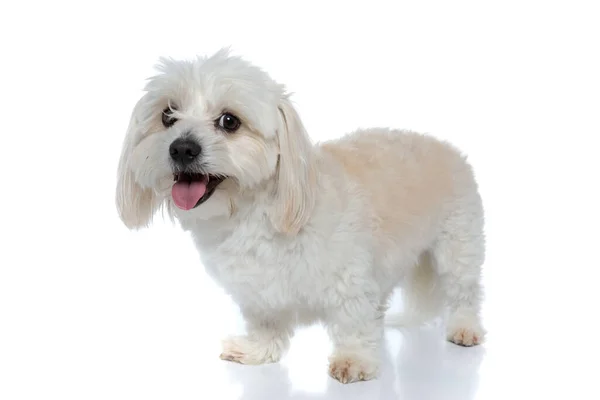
<point>296,174</point>
<point>136,205</point>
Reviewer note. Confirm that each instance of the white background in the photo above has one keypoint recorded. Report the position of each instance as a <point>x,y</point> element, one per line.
<point>89,310</point>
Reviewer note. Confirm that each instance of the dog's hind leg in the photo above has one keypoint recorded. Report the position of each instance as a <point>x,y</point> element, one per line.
<point>421,298</point>
<point>459,254</point>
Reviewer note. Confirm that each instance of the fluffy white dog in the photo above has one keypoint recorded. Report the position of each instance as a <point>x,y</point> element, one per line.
<point>297,232</point>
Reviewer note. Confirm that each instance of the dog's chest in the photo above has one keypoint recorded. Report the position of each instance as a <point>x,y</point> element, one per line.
<point>265,270</point>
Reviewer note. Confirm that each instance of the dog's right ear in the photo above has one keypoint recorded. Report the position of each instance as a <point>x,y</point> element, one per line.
<point>136,205</point>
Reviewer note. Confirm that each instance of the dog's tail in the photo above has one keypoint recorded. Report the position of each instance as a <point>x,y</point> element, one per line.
<point>422,297</point>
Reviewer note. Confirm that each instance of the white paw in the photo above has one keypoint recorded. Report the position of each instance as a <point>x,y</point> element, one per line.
<point>351,367</point>
<point>243,350</point>
<point>465,333</point>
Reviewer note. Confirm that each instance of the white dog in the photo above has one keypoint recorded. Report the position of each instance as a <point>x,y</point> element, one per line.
<point>297,232</point>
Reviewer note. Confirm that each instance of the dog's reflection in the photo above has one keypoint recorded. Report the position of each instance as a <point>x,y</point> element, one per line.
<point>428,367</point>
<point>417,364</point>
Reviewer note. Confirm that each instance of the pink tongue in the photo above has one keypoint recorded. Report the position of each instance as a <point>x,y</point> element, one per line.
<point>186,194</point>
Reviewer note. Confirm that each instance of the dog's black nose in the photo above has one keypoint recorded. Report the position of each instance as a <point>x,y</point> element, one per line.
<point>184,151</point>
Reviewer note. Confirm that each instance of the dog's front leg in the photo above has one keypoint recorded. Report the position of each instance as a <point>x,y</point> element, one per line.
<point>356,329</point>
<point>267,338</point>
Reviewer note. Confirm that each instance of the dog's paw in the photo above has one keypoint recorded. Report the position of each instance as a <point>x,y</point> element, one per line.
<point>243,350</point>
<point>467,333</point>
<point>348,368</point>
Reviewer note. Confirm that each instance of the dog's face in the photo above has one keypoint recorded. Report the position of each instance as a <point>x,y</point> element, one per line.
<point>206,130</point>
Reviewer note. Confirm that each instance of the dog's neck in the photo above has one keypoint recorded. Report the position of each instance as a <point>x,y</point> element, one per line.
<point>249,211</point>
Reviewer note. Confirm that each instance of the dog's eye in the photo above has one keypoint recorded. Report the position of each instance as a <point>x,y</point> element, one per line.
<point>229,122</point>
<point>167,118</point>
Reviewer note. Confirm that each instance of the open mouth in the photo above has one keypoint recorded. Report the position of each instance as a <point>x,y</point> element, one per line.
<point>191,190</point>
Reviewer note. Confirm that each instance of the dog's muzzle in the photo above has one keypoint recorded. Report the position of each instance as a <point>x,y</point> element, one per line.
<point>190,188</point>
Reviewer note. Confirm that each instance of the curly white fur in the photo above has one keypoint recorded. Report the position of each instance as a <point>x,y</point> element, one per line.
<point>303,232</point>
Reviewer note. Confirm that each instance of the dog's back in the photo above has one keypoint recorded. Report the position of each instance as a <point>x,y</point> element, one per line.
<point>407,176</point>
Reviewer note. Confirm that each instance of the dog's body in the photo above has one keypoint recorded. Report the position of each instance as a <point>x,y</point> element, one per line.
<point>297,232</point>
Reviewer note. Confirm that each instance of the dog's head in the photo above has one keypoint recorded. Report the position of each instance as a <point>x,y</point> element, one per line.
<point>204,131</point>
